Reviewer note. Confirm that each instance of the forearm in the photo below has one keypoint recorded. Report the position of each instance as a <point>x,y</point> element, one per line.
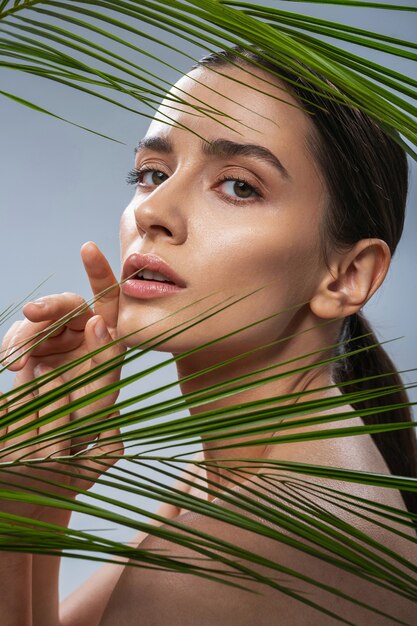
<point>45,590</point>
<point>45,578</point>
<point>16,589</point>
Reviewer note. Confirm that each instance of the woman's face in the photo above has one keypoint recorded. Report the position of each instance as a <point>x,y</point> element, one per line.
<point>229,215</point>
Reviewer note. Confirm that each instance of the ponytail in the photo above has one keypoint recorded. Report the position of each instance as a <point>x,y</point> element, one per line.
<point>398,447</point>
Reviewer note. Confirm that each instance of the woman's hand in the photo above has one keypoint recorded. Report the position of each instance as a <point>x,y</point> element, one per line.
<point>91,329</point>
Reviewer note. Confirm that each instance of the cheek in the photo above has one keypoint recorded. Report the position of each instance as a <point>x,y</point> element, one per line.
<point>280,255</point>
<point>127,229</point>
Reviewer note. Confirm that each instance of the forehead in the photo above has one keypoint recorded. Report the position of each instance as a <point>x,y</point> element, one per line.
<point>246,105</point>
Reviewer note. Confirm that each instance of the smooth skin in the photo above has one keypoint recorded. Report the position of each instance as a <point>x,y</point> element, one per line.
<point>228,224</point>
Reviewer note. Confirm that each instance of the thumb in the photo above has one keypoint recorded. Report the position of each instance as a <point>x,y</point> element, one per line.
<point>97,335</point>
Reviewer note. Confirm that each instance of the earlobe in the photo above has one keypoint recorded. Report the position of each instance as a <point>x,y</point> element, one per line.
<point>354,276</point>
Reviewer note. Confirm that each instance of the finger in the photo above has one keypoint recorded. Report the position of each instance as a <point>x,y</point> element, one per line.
<point>19,399</point>
<point>3,413</point>
<point>97,336</point>
<point>12,330</point>
<point>31,420</point>
<point>61,446</point>
<point>25,375</point>
<point>93,462</point>
<point>42,315</point>
<point>6,341</point>
<point>109,447</point>
<point>101,278</point>
<point>37,340</point>
<point>66,341</point>
<point>16,350</point>
<point>58,307</point>
<point>28,420</point>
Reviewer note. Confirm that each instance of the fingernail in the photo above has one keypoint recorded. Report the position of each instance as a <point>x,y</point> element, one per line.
<point>12,355</point>
<point>100,329</point>
<point>40,303</point>
<point>5,359</point>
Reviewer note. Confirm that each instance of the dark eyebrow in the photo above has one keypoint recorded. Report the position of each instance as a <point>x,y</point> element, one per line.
<point>159,144</point>
<point>225,147</point>
<point>218,147</point>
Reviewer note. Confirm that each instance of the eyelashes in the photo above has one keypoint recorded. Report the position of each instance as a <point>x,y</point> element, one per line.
<point>244,191</point>
<point>136,177</point>
<point>133,177</point>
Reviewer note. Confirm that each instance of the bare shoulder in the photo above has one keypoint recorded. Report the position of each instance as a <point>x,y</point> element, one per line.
<point>290,585</point>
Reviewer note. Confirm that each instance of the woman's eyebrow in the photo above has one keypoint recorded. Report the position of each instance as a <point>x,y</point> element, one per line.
<point>225,147</point>
<point>218,147</point>
<point>159,144</point>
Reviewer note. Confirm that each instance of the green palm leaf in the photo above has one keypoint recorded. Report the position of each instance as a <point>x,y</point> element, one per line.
<point>30,45</point>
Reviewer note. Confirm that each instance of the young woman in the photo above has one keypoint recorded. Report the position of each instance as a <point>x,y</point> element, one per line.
<point>303,203</point>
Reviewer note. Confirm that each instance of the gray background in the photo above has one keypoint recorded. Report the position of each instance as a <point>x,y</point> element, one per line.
<point>61,186</point>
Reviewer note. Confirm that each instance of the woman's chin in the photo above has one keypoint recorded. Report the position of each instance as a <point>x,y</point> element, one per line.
<point>155,334</point>
<point>134,336</point>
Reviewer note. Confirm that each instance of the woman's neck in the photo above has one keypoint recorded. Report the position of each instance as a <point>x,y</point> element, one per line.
<point>310,378</point>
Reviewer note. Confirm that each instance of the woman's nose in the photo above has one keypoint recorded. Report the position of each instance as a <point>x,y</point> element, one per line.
<point>160,215</point>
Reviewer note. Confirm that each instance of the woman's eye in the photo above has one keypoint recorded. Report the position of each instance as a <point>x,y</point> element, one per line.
<point>152,177</point>
<point>238,189</point>
<point>146,177</point>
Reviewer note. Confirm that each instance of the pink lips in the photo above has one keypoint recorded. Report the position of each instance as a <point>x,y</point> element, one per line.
<point>137,288</point>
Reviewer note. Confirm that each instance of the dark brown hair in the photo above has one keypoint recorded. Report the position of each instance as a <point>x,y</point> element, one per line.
<point>366,174</point>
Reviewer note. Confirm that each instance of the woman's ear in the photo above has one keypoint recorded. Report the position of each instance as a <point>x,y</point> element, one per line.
<point>353,278</point>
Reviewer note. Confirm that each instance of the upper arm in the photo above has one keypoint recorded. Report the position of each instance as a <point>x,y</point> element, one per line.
<point>85,605</point>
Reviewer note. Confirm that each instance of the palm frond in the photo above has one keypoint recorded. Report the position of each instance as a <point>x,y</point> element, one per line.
<point>52,47</point>
<point>277,497</point>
